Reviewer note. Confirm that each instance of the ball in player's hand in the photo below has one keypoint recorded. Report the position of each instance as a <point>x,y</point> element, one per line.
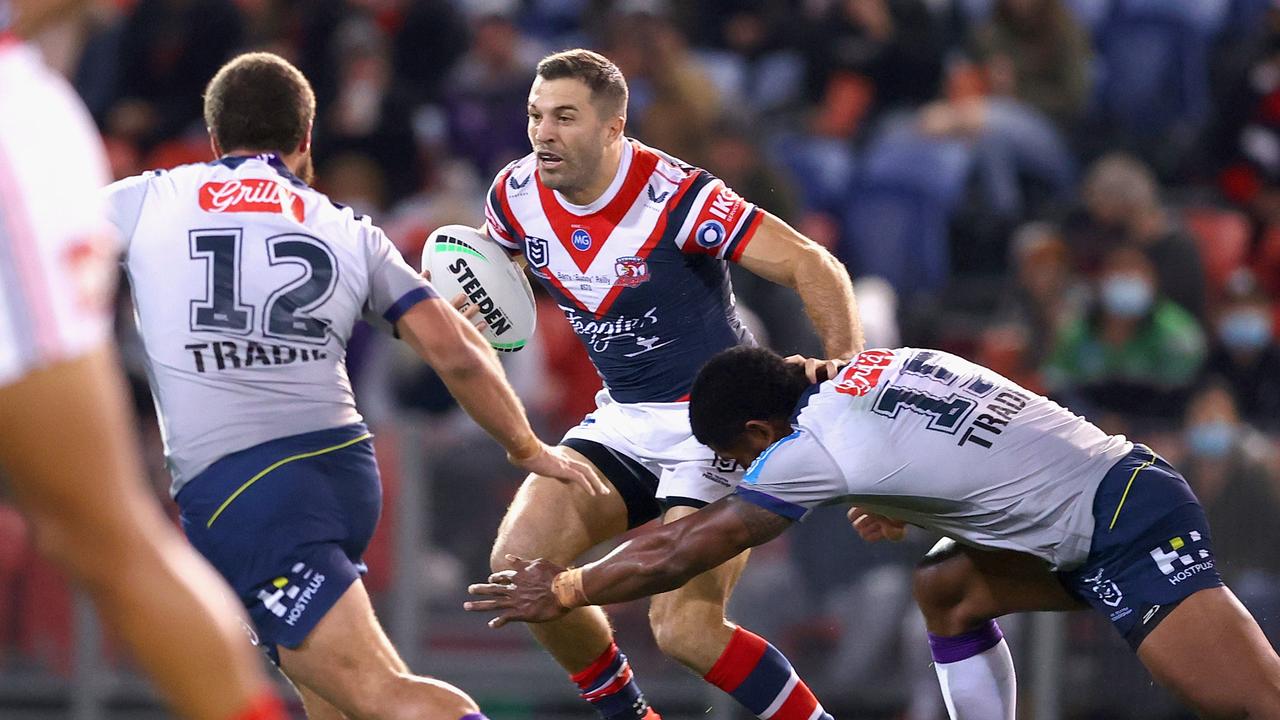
<point>460,259</point>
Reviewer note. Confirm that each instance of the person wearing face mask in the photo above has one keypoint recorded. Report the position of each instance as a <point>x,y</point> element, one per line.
<point>1121,203</point>
<point>1225,461</point>
<point>1245,353</point>
<point>1134,352</point>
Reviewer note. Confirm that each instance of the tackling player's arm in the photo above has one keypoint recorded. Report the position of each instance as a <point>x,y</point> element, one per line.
<point>655,562</point>
<point>780,254</point>
<point>469,368</point>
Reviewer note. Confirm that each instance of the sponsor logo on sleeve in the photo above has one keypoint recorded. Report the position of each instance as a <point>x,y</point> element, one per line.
<point>710,234</point>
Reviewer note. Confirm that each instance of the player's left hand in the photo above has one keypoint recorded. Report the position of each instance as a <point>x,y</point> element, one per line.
<point>522,595</point>
<point>554,462</point>
<point>463,304</point>
<point>817,369</point>
<point>872,527</point>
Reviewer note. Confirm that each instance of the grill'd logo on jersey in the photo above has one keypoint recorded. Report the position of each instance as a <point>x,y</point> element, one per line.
<point>581,239</point>
<point>632,271</point>
<point>250,195</point>
<point>864,373</point>
<point>492,314</point>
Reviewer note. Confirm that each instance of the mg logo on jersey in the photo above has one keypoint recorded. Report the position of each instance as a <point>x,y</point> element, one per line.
<point>250,195</point>
<point>1178,561</point>
<point>535,251</point>
<point>288,596</point>
<point>710,234</point>
<point>631,270</point>
<point>581,239</point>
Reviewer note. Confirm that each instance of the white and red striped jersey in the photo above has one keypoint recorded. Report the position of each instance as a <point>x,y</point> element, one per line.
<point>57,254</point>
<point>641,272</point>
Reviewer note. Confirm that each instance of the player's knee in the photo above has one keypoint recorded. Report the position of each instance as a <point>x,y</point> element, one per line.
<point>679,631</point>
<point>406,697</point>
<point>94,560</point>
<point>941,590</point>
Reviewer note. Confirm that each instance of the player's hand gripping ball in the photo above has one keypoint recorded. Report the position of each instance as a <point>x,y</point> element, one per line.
<point>462,260</point>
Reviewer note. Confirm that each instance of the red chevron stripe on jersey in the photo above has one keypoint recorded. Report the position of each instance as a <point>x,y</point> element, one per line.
<point>599,225</point>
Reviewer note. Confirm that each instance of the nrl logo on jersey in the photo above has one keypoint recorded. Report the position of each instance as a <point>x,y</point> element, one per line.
<point>250,195</point>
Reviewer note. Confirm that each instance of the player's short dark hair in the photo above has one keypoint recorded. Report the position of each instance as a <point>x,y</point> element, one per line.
<point>608,86</point>
<point>259,101</point>
<point>740,384</point>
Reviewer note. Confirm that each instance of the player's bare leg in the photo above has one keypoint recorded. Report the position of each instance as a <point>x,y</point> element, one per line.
<point>348,662</point>
<point>961,590</point>
<point>1211,653</point>
<point>316,707</point>
<point>689,623</point>
<point>71,458</point>
<point>690,626</point>
<point>559,522</point>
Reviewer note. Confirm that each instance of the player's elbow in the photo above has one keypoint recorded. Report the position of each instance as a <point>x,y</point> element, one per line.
<point>460,363</point>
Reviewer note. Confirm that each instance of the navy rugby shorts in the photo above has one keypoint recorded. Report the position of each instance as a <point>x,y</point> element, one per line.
<point>1151,546</point>
<point>286,523</point>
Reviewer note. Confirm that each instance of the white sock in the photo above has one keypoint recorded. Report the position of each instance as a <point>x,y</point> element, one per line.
<point>980,687</point>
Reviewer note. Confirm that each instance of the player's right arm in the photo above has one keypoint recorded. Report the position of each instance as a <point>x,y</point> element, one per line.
<point>462,358</point>
<point>654,562</point>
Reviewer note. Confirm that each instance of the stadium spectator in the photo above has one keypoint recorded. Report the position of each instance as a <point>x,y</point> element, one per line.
<point>1121,203</point>
<point>1245,354</point>
<point>1035,51</point>
<point>1134,352</point>
<point>674,105</point>
<point>370,114</point>
<point>1229,465</point>
<point>486,91</point>
<point>168,48</point>
<point>870,56</point>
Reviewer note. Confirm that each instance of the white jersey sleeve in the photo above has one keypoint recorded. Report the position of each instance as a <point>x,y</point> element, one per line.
<point>122,203</point>
<point>393,286</point>
<point>792,477</point>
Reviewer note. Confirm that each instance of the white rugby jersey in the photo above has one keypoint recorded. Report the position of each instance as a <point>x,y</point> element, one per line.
<point>935,440</point>
<point>640,273</point>
<point>247,284</point>
<point>57,253</point>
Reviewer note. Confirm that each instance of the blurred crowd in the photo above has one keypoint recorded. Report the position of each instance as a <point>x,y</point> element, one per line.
<point>1081,194</point>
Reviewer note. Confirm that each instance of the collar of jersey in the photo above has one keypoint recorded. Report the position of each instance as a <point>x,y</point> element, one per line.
<point>804,401</point>
<point>598,204</point>
<point>235,161</point>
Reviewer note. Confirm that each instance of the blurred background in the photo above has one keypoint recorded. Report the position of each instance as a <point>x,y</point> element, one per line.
<point>1081,194</point>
